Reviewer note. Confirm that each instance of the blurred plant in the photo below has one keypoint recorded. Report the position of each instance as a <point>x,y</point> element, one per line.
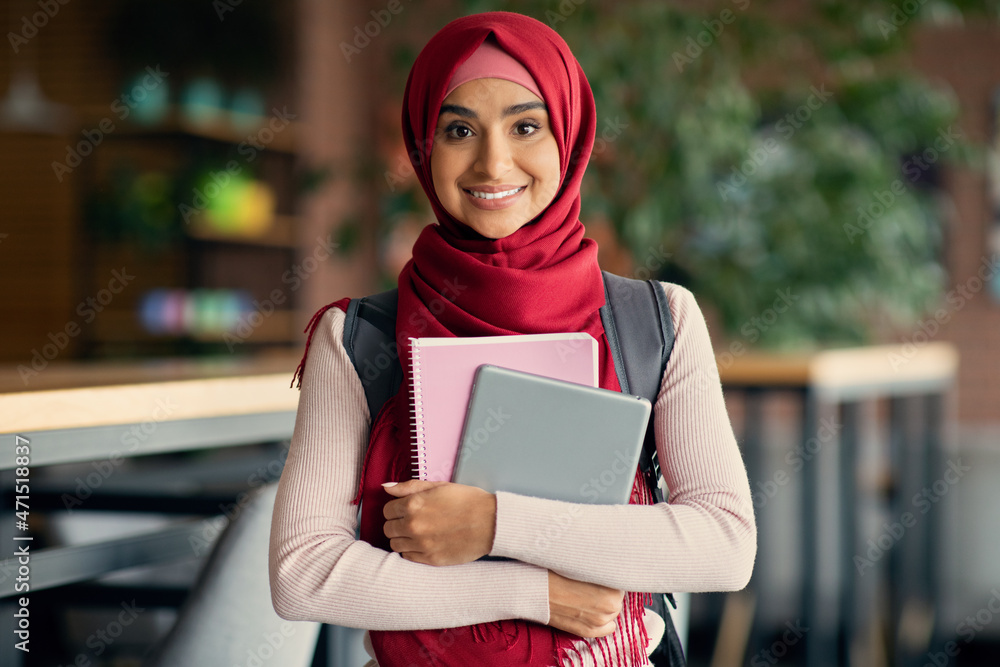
<point>135,206</point>
<point>760,181</point>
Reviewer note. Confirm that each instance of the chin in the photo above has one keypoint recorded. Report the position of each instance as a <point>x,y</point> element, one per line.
<point>493,230</point>
<point>502,232</point>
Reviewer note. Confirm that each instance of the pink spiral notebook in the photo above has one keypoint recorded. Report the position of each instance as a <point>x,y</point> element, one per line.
<point>444,370</point>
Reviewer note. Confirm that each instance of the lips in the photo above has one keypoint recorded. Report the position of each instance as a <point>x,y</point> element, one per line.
<point>494,197</point>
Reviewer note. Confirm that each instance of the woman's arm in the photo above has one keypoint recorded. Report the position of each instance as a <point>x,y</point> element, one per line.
<point>320,572</point>
<point>703,540</point>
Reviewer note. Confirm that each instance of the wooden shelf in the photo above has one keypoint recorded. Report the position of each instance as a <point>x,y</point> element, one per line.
<point>280,235</point>
<point>123,326</point>
<point>281,141</point>
<point>200,255</point>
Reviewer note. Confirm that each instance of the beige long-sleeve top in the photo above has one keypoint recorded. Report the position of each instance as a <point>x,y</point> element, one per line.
<point>703,539</point>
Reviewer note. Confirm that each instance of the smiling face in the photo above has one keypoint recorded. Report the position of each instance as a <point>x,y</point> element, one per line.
<point>495,161</point>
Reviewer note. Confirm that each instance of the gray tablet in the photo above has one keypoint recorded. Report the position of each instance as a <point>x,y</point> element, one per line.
<point>537,436</point>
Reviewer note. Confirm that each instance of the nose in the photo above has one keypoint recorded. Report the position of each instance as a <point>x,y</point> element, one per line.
<point>494,157</point>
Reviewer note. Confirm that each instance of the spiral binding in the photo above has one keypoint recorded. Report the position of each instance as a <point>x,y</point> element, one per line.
<point>417,410</point>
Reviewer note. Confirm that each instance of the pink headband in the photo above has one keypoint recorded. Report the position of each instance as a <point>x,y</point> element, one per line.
<point>491,62</point>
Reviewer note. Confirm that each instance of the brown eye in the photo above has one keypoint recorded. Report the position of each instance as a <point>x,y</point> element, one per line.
<point>526,129</point>
<point>458,132</point>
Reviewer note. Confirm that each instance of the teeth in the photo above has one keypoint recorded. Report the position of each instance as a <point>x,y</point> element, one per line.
<point>494,195</point>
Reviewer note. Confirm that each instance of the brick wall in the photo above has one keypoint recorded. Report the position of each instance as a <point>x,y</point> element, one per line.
<point>966,58</point>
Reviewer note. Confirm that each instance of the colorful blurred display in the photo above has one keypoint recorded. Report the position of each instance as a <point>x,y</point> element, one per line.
<point>235,204</point>
<point>198,312</point>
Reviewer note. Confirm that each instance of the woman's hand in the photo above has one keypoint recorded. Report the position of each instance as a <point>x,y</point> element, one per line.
<point>586,610</point>
<point>440,523</point>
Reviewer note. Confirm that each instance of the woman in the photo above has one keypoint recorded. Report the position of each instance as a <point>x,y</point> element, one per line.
<point>499,120</point>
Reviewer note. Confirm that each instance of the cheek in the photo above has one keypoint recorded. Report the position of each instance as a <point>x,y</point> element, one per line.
<point>438,174</point>
<point>443,177</point>
<point>547,168</point>
<point>552,165</point>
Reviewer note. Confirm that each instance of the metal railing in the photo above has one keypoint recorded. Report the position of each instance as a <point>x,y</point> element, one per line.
<point>910,388</point>
<point>108,416</point>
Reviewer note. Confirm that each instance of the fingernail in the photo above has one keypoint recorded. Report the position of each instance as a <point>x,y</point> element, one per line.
<point>389,484</point>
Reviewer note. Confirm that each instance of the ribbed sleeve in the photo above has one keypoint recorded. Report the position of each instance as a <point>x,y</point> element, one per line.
<point>705,539</point>
<point>320,572</point>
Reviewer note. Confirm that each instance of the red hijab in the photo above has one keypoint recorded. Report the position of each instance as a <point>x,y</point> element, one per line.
<point>542,278</point>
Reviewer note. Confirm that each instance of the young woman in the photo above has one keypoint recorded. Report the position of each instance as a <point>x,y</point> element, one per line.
<point>499,120</point>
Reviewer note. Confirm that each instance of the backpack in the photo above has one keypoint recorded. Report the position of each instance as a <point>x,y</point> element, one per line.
<point>640,331</point>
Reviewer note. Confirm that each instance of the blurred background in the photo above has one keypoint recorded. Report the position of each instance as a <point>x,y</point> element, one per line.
<point>194,179</point>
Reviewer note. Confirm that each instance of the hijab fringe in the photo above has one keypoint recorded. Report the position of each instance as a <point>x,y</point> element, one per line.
<point>310,330</point>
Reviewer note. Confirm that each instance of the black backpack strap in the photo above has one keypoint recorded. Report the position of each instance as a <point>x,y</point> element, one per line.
<point>640,329</point>
<point>636,312</point>
<point>370,342</point>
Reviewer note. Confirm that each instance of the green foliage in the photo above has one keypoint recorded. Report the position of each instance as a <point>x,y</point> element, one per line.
<point>803,182</point>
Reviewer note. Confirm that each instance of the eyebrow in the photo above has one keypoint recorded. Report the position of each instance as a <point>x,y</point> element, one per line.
<point>512,110</point>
